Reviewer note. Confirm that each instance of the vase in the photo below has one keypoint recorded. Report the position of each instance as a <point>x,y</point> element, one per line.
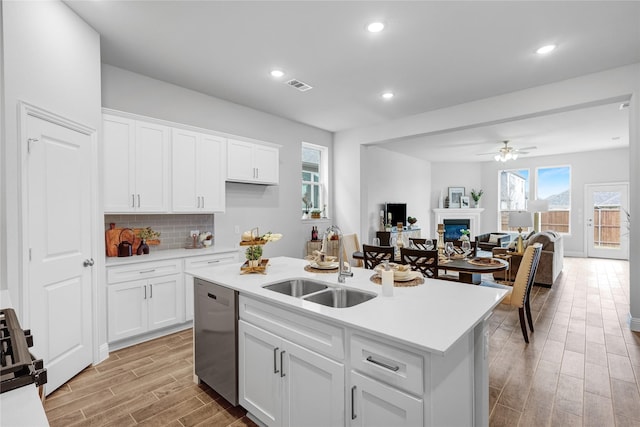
<point>253,262</point>
<point>143,248</point>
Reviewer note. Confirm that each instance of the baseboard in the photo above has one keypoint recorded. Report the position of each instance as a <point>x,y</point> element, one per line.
<point>572,254</point>
<point>634,323</point>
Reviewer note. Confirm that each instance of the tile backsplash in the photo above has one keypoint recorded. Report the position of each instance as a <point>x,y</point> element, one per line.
<point>174,228</point>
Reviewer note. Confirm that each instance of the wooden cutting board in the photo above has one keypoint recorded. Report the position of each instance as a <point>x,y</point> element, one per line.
<point>112,239</point>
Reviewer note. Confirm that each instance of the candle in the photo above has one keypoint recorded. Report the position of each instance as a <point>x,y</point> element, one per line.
<point>440,227</point>
<point>381,214</point>
<point>389,216</point>
<point>387,282</point>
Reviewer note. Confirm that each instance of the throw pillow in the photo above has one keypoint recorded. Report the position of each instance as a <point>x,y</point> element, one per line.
<point>493,238</point>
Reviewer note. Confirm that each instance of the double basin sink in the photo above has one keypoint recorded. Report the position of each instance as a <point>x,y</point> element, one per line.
<point>321,293</point>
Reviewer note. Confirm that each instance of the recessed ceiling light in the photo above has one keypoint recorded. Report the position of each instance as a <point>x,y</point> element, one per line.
<point>277,73</point>
<point>387,95</point>
<point>375,27</point>
<point>546,49</point>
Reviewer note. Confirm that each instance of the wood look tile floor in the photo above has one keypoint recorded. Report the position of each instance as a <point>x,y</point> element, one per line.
<point>581,368</point>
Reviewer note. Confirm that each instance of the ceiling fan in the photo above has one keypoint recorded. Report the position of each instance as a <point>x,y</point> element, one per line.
<point>508,152</point>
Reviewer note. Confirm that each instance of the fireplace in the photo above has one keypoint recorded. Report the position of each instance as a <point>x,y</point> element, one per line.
<point>469,214</point>
<point>453,227</point>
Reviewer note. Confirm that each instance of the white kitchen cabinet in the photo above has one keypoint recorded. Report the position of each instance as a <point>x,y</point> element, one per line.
<point>154,299</point>
<point>198,172</point>
<point>284,384</point>
<point>252,163</point>
<point>376,404</point>
<point>136,165</point>
<point>198,262</point>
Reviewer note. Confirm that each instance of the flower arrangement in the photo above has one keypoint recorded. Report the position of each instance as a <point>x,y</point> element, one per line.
<point>465,232</point>
<point>148,234</point>
<point>254,242</point>
<point>476,195</point>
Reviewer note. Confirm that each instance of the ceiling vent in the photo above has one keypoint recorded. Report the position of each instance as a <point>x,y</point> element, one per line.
<point>301,86</point>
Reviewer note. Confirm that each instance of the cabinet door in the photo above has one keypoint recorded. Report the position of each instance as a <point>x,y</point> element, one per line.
<point>266,162</point>
<point>211,173</point>
<point>118,138</point>
<point>184,171</point>
<point>376,404</point>
<point>166,301</point>
<point>259,375</point>
<point>152,167</point>
<point>127,306</point>
<point>313,392</point>
<point>240,161</point>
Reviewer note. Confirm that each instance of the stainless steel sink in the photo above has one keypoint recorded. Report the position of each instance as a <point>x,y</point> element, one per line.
<point>296,287</point>
<point>340,297</point>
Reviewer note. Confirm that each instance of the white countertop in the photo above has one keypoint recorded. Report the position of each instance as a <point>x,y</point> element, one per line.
<point>431,316</point>
<point>22,406</point>
<point>169,254</point>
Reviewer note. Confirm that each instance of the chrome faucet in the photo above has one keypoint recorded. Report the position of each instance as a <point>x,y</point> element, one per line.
<point>342,270</point>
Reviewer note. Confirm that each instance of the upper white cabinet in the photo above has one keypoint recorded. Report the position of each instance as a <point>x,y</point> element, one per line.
<point>136,165</point>
<point>252,163</point>
<point>198,172</point>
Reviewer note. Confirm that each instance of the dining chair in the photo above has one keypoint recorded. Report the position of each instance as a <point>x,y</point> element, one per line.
<point>385,237</point>
<point>426,262</point>
<point>351,244</point>
<point>374,255</point>
<point>458,243</point>
<point>519,294</point>
<point>420,243</point>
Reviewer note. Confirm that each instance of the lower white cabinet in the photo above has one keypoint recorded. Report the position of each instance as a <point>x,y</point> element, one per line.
<point>284,384</point>
<point>376,404</point>
<point>139,306</point>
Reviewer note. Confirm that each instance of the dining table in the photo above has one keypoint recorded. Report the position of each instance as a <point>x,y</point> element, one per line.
<point>470,270</point>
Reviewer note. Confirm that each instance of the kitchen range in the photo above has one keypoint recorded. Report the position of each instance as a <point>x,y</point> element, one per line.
<point>311,350</point>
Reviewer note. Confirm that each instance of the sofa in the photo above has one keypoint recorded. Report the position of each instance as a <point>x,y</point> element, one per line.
<point>551,258</point>
<point>489,241</point>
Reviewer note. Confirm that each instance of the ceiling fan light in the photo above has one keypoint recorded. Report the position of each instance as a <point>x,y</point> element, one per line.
<point>508,156</point>
<point>514,156</point>
<point>497,157</point>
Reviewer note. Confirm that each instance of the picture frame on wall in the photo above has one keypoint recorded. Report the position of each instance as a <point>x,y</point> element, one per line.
<point>455,194</point>
<point>464,202</point>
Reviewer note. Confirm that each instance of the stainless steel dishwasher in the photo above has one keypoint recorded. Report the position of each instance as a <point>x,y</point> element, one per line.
<point>216,338</point>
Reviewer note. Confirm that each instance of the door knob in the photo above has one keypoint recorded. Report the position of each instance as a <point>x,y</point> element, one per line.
<point>88,262</point>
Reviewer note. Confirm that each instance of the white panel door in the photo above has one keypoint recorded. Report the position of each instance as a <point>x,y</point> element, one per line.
<point>606,207</point>
<point>119,168</point>
<point>240,161</point>
<point>259,376</point>
<point>375,404</point>
<point>166,301</point>
<point>152,167</point>
<point>184,171</point>
<point>59,237</point>
<point>266,164</point>
<point>211,173</point>
<point>313,389</point>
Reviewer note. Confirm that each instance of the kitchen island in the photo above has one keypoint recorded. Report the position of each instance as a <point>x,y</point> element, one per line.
<point>416,358</point>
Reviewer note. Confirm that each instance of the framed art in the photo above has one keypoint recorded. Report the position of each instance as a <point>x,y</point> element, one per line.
<point>464,201</point>
<point>455,194</point>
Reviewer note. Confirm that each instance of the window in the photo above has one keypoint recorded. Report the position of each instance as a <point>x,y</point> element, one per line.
<point>514,193</point>
<point>314,178</point>
<point>554,185</point>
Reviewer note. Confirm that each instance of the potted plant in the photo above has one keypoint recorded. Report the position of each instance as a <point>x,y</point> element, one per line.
<point>316,213</point>
<point>146,234</point>
<point>464,234</point>
<point>476,195</point>
<point>307,206</point>
<point>412,220</point>
<point>253,254</point>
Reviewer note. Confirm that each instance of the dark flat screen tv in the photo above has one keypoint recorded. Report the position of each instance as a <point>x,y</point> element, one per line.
<point>398,213</point>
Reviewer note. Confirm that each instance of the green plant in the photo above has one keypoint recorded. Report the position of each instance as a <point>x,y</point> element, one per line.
<point>307,204</point>
<point>412,220</point>
<point>148,233</point>
<point>253,252</point>
<point>475,195</point>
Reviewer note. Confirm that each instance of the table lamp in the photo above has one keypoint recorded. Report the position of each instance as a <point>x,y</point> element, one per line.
<point>520,220</point>
<point>537,207</point>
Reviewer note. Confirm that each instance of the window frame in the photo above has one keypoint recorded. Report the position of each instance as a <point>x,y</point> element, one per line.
<point>536,185</point>
<point>527,196</point>
<point>322,184</point>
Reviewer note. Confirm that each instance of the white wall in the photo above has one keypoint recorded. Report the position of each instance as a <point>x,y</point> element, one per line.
<point>271,208</point>
<point>51,59</point>
<point>394,178</point>
<point>605,166</point>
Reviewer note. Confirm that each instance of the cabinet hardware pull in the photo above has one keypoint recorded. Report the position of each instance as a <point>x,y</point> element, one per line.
<point>213,261</point>
<point>133,200</point>
<point>138,200</point>
<point>198,202</point>
<point>275,363</point>
<point>353,403</point>
<point>150,291</point>
<point>384,365</point>
<point>145,291</point>
<point>281,365</point>
<point>148,271</point>
<point>212,296</point>
<point>202,202</point>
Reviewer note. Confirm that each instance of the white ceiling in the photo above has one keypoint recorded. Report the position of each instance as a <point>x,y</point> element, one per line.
<point>431,55</point>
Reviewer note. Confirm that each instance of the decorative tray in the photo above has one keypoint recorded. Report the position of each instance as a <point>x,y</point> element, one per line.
<point>261,268</point>
<point>486,262</point>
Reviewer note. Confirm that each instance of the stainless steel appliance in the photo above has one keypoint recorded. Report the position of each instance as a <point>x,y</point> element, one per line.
<point>216,338</point>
